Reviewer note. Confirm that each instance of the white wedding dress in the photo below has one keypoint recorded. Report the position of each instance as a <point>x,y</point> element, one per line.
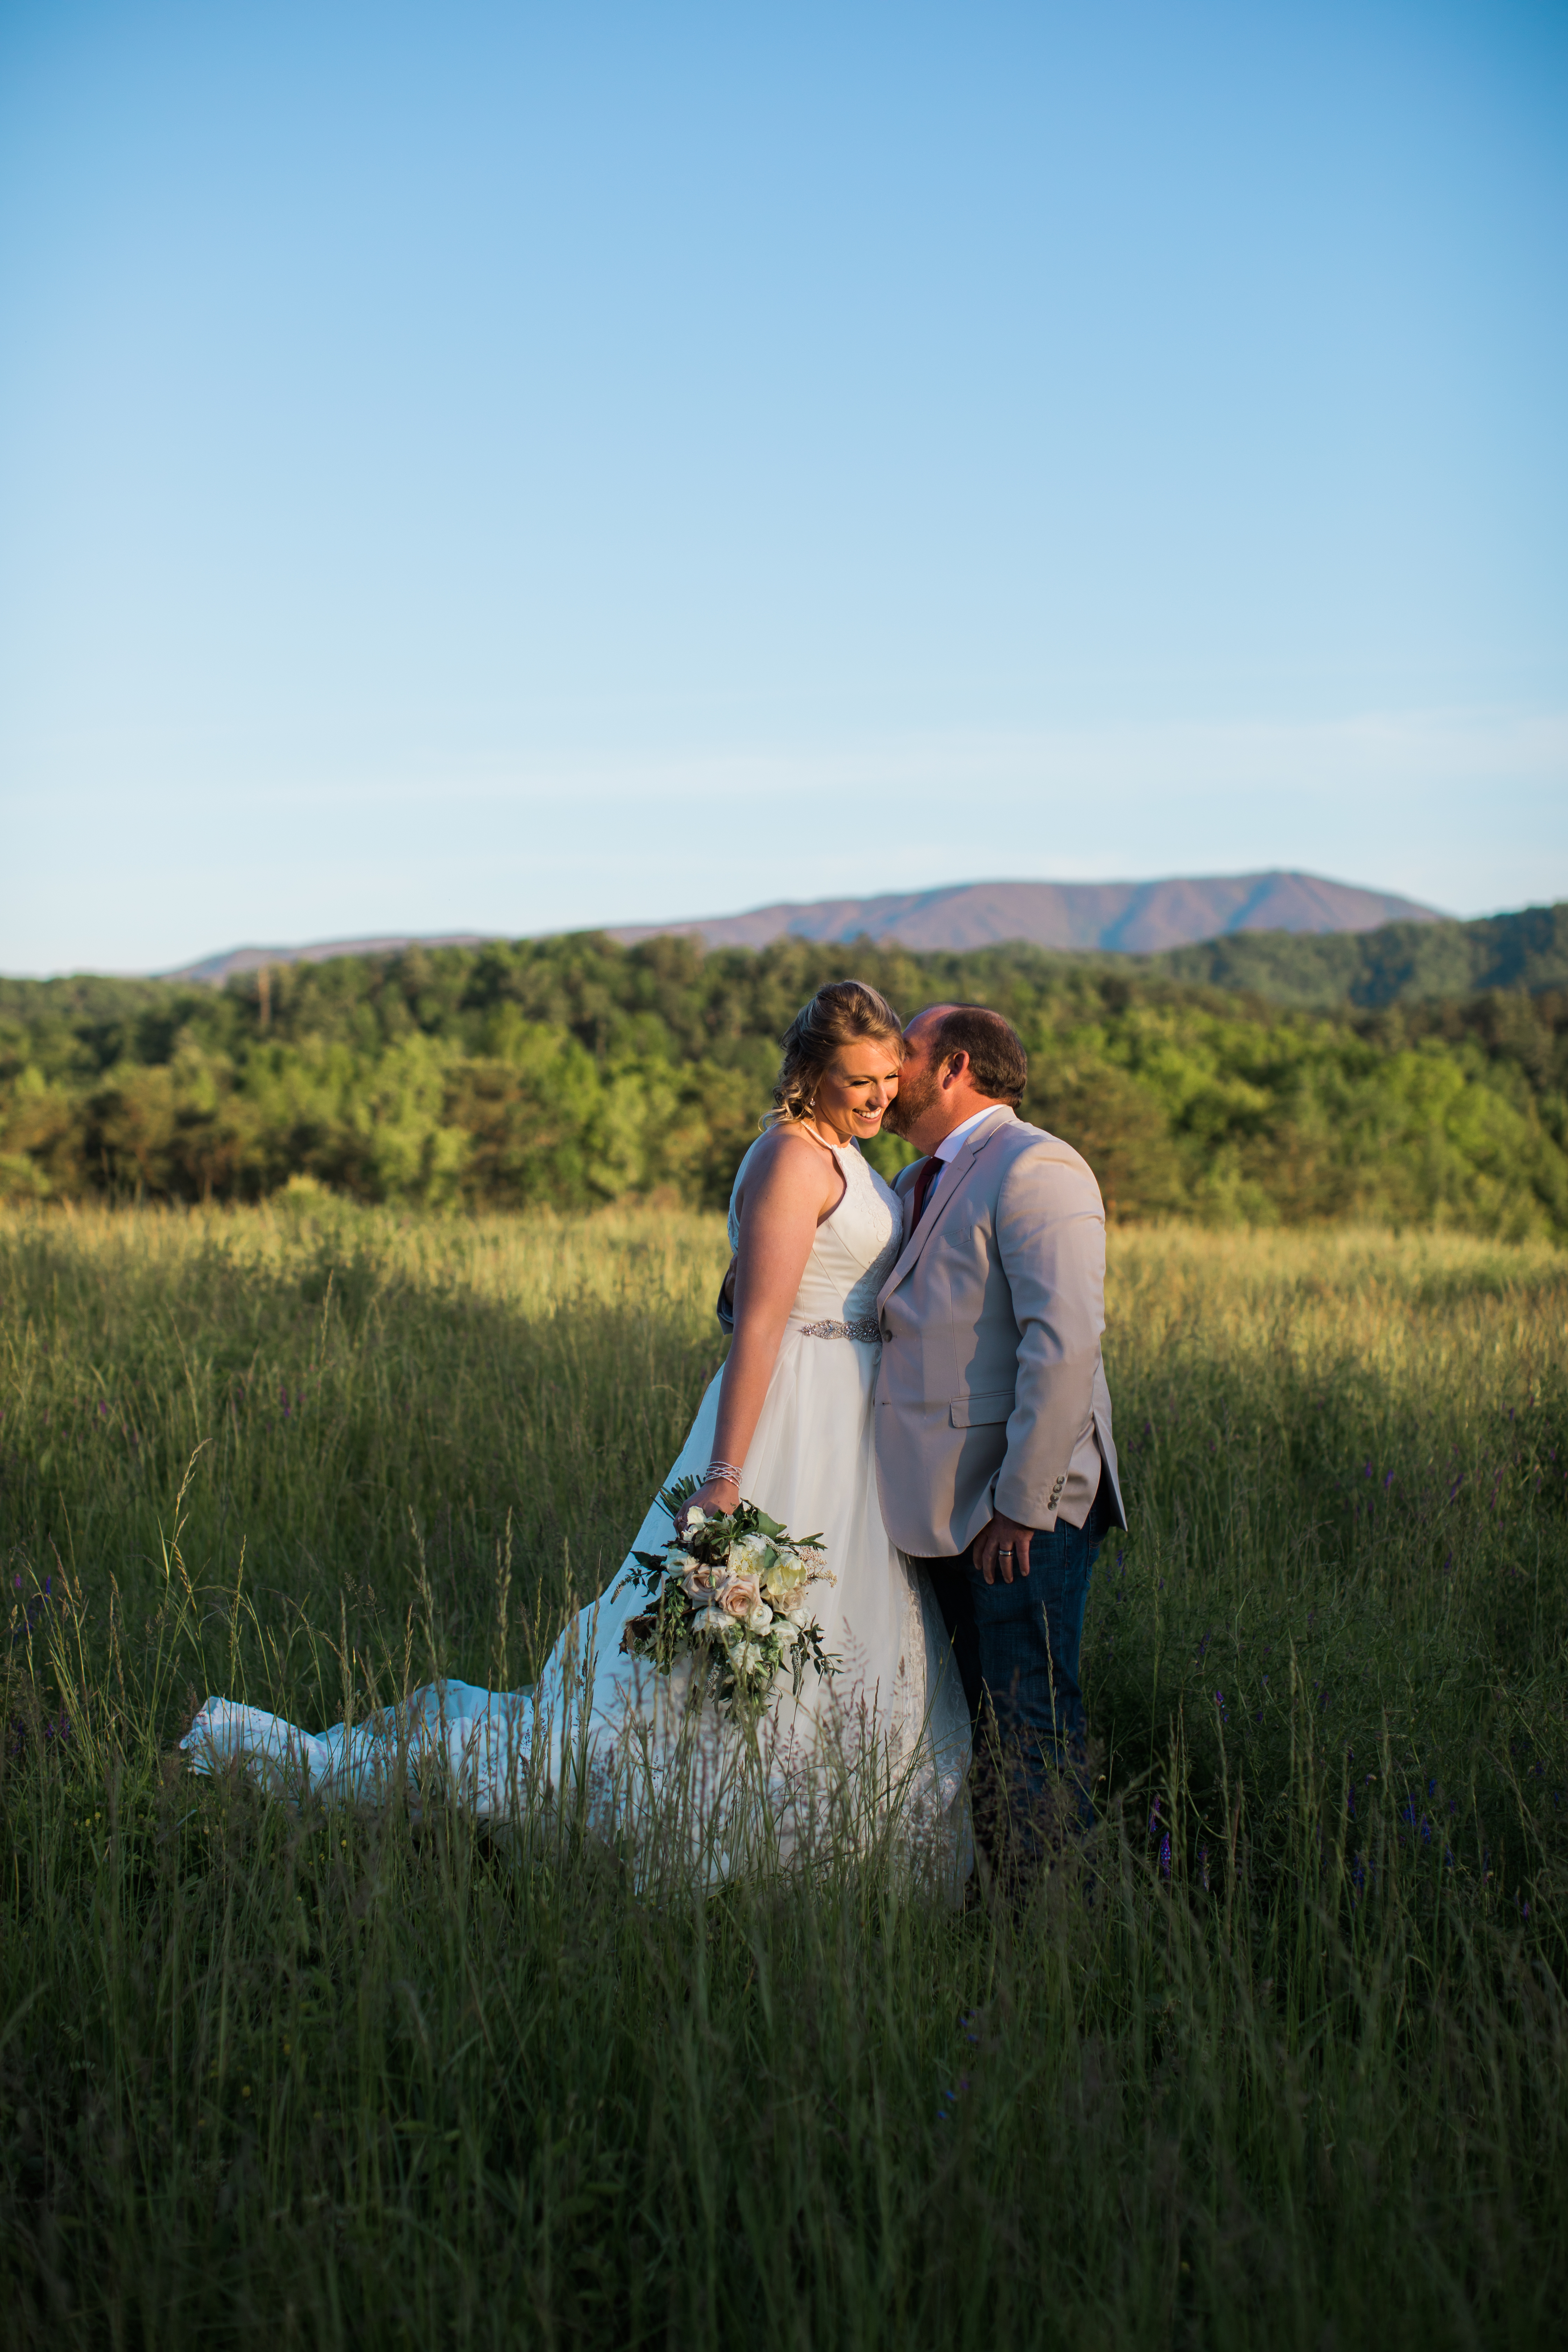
<point>884,1741</point>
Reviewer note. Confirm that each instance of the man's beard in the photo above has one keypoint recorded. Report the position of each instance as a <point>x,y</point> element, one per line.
<point>914,1097</point>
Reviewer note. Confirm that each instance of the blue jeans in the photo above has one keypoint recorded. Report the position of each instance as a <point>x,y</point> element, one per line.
<point>1016,1648</point>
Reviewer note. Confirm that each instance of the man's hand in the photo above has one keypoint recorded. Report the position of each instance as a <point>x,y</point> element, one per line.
<point>1004,1545</point>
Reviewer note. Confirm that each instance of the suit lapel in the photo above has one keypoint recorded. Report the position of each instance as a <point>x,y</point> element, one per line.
<point>945,1190</point>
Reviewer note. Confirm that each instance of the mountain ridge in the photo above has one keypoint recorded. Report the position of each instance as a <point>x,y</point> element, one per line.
<point>1113,917</point>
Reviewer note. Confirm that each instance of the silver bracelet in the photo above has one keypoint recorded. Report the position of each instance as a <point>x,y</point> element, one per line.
<point>725,1473</point>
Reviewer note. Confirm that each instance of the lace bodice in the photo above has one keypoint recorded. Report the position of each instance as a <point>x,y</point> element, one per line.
<point>855,1249</point>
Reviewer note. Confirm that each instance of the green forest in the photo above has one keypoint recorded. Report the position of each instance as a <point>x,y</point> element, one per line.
<point>1418,1075</point>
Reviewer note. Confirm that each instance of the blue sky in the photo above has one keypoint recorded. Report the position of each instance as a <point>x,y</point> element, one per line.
<point>497,468</point>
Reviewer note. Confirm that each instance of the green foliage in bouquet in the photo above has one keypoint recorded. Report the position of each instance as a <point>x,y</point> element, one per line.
<point>732,1592</point>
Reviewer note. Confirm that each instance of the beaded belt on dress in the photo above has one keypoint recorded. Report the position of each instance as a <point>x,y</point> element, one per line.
<point>866,1326</point>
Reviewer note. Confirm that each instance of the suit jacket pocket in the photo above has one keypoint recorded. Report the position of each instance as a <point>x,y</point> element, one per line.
<point>973,1411</point>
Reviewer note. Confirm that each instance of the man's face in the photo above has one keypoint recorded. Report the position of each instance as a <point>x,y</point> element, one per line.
<point>917,1076</point>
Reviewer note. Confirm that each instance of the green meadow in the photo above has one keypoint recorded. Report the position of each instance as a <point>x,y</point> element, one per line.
<point>1282,2059</point>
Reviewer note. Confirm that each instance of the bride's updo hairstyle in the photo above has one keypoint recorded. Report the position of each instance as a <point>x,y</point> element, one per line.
<point>842,1013</point>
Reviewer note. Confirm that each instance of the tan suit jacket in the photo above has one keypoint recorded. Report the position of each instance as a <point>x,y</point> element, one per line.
<point>991,1393</point>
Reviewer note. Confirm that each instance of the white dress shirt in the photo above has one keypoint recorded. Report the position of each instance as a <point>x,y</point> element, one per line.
<point>948,1150</point>
<point>954,1142</point>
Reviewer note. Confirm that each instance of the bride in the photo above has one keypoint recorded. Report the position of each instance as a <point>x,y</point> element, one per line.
<point>787,1424</point>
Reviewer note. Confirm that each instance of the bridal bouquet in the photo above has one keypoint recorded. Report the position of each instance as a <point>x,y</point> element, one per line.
<point>730,1592</point>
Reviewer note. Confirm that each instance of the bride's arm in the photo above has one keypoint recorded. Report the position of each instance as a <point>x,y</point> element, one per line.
<point>781,1208</point>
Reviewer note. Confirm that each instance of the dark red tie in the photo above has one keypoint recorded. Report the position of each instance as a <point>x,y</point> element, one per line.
<point>929,1169</point>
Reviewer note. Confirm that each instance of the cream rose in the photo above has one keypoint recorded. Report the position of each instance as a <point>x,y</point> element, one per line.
<point>793,1605</point>
<point>787,1635</point>
<point>759,1618</point>
<point>738,1596</point>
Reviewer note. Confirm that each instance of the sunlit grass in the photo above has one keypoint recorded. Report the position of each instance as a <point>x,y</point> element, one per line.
<point>1289,2068</point>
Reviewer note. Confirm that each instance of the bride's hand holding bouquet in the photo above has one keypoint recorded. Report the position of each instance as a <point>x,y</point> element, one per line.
<point>731,1590</point>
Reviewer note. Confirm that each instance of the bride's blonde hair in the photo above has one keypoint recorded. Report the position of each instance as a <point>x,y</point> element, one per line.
<point>839,1014</point>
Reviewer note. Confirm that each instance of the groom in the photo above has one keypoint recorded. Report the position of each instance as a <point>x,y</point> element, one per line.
<point>994,1457</point>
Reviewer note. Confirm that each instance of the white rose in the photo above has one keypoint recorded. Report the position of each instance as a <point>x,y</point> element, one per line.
<point>712,1620</point>
<point>759,1618</point>
<point>786,1634</point>
<point>696,1518</point>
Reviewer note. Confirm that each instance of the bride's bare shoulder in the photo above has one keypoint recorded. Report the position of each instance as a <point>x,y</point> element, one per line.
<point>789,1136</point>
<point>784,1158</point>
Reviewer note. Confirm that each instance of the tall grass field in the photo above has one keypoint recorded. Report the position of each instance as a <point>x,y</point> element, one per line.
<point>1282,2059</point>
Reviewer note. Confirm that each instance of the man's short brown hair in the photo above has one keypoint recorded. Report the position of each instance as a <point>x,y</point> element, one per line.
<point>997,1062</point>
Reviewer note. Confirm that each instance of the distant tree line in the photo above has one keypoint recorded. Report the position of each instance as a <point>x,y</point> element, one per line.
<point>574,1072</point>
<point>1399,964</point>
